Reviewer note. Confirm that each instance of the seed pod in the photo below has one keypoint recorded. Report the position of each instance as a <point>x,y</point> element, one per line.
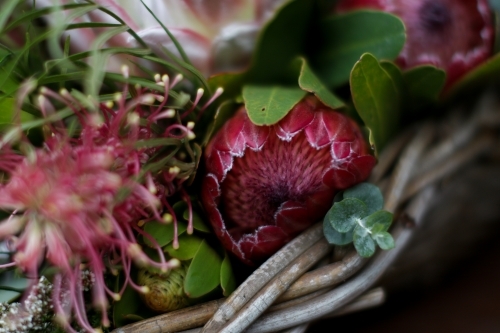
<point>166,290</point>
<point>265,184</point>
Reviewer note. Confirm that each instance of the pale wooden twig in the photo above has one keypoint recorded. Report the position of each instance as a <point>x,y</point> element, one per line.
<point>409,160</point>
<point>390,154</point>
<point>323,277</point>
<point>346,292</point>
<point>179,320</point>
<point>262,276</point>
<point>450,165</point>
<point>370,299</point>
<point>267,295</point>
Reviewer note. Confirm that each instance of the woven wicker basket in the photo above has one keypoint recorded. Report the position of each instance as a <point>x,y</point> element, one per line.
<point>441,180</point>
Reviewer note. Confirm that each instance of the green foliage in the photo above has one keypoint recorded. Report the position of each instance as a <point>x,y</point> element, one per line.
<point>310,82</point>
<point>359,218</point>
<point>227,280</point>
<point>376,99</point>
<point>346,37</point>
<point>266,105</point>
<point>203,274</point>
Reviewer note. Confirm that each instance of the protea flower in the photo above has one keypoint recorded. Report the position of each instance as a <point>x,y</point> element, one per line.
<point>265,184</point>
<point>453,35</point>
<point>79,201</point>
<point>217,35</point>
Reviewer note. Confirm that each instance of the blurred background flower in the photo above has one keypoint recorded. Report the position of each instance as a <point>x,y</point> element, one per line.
<point>216,35</point>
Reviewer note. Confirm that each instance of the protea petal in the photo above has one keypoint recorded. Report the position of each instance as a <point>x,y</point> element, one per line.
<point>258,199</point>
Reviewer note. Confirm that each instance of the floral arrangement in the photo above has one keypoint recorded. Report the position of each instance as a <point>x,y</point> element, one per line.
<point>155,152</point>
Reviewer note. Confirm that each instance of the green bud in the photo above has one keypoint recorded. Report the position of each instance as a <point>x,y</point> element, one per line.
<point>166,290</point>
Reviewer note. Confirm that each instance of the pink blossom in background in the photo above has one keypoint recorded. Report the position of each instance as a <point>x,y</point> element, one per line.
<point>217,35</point>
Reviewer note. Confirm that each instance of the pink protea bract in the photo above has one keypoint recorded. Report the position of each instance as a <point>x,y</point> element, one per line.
<point>455,36</point>
<point>265,184</point>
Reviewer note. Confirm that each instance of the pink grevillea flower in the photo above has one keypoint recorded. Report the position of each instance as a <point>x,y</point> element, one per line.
<point>79,201</point>
<point>453,35</point>
<point>265,184</point>
<point>217,35</point>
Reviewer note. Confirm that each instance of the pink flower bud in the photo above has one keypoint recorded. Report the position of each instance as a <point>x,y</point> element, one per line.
<point>453,35</point>
<point>266,184</point>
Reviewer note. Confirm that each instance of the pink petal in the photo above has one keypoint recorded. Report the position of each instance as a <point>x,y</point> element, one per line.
<point>296,120</point>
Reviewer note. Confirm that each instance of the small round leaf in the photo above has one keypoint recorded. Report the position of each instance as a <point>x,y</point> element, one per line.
<point>334,237</point>
<point>384,240</point>
<point>363,243</point>
<point>378,221</point>
<point>369,194</point>
<point>344,215</point>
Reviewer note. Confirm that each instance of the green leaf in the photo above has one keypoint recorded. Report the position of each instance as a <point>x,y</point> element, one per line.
<point>198,223</point>
<point>163,233</point>
<point>7,9</point>
<point>227,280</point>
<point>363,243</point>
<point>376,99</point>
<point>7,110</point>
<point>266,105</point>
<point>188,246</point>
<point>12,285</point>
<point>397,77</point>
<point>129,304</point>
<point>348,36</point>
<point>281,40</point>
<point>424,84</point>
<point>378,221</point>
<point>333,236</point>
<point>384,240</point>
<point>310,82</point>
<point>369,194</point>
<point>203,274</point>
<point>344,215</point>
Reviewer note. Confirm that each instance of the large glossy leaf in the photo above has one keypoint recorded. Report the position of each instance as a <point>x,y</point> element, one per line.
<point>376,99</point>
<point>227,280</point>
<point>310,82</point>
<point>203,274</point>
<point>346,37</point>
<point>266,105</point>
<point>424,85</point>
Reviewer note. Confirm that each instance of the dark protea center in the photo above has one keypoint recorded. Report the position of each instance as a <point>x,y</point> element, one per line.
<point>453,35</point>
<point>265,184</point>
